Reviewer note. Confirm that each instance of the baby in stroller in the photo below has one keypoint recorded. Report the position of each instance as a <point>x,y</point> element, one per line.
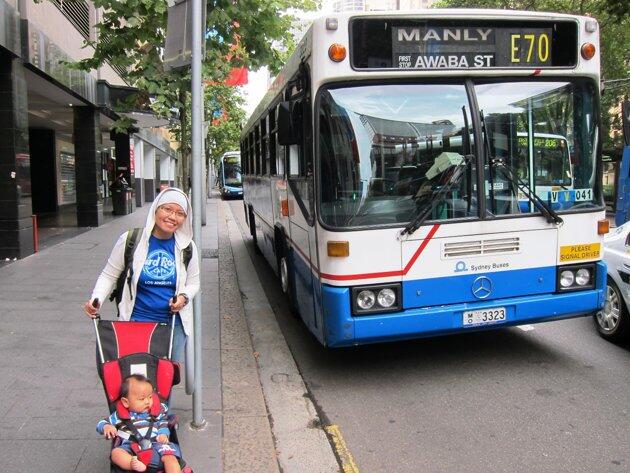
<point>134,362</point>
<point>137,398</point>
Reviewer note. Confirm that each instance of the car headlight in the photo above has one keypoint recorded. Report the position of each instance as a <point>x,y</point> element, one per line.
<point>367,300</point>
<point>576,277</point>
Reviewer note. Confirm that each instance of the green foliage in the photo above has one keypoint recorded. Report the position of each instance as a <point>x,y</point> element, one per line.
<point>132,34</point>
<point>226,117</point>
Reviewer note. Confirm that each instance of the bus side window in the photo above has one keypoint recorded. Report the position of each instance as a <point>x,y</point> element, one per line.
<point>259,162</point>
<point>271,143</point>
<point>278,148</point>
<point>243,156</point>
<point>252,156</point>
<point>294,160</point>
<point>264,144</point>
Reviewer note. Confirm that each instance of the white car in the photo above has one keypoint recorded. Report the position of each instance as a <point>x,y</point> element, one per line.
<point>613,322</point>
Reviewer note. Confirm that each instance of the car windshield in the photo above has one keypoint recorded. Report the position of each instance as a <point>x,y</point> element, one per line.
<point>384,150</point>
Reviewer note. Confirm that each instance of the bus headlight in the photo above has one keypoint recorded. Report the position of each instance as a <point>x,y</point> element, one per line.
<point>576,277</point>
<point>386,297</point>
<point>368,300</point>
<point>567,278</point>
<point>582,276</point>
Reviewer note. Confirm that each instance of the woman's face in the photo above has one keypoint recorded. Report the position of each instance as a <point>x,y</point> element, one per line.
<point>169,217</point>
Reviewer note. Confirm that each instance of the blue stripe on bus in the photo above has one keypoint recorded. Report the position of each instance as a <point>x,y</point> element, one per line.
<point>455,289</point>
<point>342,329</point>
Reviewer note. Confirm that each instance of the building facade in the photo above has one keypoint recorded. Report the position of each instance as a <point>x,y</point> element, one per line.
<point>58,153</point>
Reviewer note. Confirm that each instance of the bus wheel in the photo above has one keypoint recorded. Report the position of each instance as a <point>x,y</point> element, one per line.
<point>285,272</point>
<point>252,230</point>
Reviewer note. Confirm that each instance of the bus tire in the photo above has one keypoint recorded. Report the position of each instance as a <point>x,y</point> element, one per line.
<point>287,282</point>
<point>252,230</point>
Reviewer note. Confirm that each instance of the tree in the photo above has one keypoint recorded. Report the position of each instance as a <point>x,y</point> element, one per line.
<point>226,117</point>
<point>131,35</point>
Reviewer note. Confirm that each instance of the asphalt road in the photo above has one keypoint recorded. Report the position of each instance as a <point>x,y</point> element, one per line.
<point>551,397</point>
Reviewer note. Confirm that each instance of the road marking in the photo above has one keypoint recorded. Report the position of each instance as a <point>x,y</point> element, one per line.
<point>347,461</point>
<point>526,328</point>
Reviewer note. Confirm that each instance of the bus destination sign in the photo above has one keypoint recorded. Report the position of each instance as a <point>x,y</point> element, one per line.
<point>470,47</point>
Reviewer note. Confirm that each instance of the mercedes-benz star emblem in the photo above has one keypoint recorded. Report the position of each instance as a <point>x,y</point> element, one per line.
<point>481,287</point>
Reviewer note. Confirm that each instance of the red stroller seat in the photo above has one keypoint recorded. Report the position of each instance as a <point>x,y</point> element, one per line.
<point>125,348</point>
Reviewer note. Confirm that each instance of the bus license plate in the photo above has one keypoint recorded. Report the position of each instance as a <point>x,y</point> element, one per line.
<point>485,316</point>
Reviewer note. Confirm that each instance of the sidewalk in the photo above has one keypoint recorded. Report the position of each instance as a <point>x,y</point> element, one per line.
<point>51,396</point>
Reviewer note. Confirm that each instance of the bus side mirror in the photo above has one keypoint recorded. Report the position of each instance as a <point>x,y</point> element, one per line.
<point>288,126</point>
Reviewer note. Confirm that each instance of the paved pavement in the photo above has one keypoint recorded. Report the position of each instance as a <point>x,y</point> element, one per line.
<point>51,396</point>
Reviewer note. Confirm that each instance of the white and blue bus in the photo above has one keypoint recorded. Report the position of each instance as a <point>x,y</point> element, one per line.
<point>229,176</point>
<point>385,168</point>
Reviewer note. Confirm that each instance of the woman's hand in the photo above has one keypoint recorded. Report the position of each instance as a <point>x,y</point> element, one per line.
<point>91,308</point>
<point>179,303</point>
<point>109,431</point>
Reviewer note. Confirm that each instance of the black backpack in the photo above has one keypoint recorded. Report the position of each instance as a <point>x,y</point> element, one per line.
<point>127,272</point>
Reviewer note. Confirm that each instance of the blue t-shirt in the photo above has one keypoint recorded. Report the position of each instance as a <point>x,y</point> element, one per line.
<point>157,282</point>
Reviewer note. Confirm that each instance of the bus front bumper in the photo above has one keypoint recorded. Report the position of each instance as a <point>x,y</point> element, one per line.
<point>343,329</point>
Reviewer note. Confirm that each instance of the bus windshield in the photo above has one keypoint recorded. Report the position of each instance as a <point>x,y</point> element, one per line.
<point>382,148</point>
<point>547,131</point>
<point>551,160</point>
<point>232,175</point>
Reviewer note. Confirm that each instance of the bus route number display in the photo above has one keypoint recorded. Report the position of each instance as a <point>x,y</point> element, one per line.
<point>470,47</point>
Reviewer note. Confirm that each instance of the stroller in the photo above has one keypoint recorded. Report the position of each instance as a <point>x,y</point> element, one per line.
<point>126,348</point>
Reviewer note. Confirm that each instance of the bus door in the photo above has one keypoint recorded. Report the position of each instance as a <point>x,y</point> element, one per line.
<point>301,188</point>
<point>302,228</point>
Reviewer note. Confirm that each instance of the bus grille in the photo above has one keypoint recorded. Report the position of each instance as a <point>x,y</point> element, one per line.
<point>481,247</point>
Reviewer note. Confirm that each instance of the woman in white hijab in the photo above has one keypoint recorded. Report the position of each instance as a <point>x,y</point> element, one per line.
<point>159,271</point>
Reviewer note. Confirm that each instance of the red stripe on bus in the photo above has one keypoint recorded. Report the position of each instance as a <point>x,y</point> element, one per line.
<point>385,274</point>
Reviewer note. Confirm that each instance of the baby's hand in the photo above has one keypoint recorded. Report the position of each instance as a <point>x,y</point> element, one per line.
<point>162,438</point>
<point>109,431</point>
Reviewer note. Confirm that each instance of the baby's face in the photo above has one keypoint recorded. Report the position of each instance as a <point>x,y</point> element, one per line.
<point>140,396</point>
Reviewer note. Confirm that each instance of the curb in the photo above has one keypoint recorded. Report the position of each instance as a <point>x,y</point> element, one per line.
<point>301,443</point>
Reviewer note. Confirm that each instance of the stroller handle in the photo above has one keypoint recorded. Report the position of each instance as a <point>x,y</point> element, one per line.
<point>170,342</point>
<point>98,337</point>
<point>96,319</point>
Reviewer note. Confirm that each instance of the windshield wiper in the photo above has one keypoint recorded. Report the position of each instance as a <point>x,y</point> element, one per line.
<point>501,165</point>
<point>510,174</point>
<point>425,210</point>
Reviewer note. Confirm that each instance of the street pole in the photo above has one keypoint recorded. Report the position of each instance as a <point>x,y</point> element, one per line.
<point>198,199</point>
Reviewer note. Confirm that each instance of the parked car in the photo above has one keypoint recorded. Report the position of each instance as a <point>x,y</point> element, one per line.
<point>613,322</point>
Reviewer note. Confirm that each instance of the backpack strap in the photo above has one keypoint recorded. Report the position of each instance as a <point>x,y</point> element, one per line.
<point>127,272</point>
<point>187,255</point>
<point>130,248</point>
